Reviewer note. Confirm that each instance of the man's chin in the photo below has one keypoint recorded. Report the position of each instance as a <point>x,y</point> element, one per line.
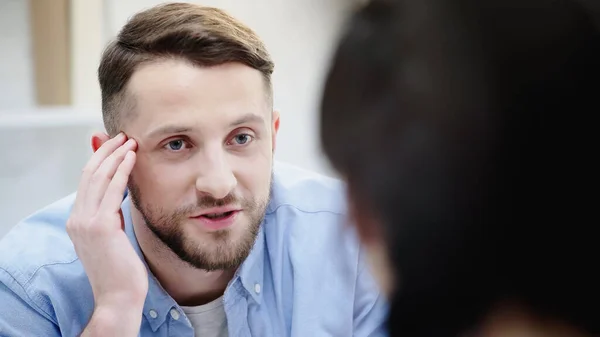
<point>212,256</point>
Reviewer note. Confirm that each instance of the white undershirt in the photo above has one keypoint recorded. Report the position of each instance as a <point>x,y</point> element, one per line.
<point>208,320</point>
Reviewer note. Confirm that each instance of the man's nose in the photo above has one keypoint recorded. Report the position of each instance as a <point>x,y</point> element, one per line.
<point>215,176</point>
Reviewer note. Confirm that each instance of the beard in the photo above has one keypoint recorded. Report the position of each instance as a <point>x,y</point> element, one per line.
<point>218,251</point>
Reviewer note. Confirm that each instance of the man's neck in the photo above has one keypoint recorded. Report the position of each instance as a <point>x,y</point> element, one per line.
<point>187,285</point>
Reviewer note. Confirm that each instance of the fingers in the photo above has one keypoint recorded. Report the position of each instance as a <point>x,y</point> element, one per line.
<point>114,193</point>
<point>100,180</point>
<point>97,158</point>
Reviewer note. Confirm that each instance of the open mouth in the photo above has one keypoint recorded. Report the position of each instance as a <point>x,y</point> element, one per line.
<point>218,216</point>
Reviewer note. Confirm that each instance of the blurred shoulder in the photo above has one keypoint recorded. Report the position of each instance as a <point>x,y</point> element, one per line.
<point>38,242</point>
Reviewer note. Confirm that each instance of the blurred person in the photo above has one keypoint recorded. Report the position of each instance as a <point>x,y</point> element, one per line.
<point>183,225</point>
<point>464,130</point>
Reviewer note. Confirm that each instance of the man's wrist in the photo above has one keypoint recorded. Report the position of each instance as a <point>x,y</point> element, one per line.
<point>115,320</point>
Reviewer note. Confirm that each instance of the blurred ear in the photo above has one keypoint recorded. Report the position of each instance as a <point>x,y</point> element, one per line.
<point>98,138</point>
<point>370,232</point>
<point>275,128</point>
<point>367,223</point>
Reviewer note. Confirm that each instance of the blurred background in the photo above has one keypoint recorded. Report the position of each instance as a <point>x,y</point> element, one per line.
<point>50,98</point>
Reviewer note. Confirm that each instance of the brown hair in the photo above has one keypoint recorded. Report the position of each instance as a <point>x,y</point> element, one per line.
<point>204,36</point>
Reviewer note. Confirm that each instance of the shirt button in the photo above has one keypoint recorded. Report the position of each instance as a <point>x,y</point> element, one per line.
<point>153,314</point>
<point>257,288</point>
<point>174,314</point>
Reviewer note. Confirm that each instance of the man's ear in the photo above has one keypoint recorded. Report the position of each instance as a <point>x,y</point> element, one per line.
<point>275,128</point>
<point>98,138</point>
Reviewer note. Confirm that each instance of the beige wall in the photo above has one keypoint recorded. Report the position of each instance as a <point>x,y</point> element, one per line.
<point>50,37</point>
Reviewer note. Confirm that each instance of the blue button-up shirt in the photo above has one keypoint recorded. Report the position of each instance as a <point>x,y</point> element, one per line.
<point>305,275</point>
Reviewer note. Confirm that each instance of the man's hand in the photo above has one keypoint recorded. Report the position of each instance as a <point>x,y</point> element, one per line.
<point>116,273</point>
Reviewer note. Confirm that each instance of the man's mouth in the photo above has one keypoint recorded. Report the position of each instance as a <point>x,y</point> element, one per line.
<point>217,216</point>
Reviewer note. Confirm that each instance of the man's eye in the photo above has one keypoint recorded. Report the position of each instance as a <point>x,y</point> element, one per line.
<point>242,139</point>
<point>176,145</point>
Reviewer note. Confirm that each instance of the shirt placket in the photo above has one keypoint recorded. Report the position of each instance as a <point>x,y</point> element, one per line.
<point>236,310</point>
<point>178,324</point>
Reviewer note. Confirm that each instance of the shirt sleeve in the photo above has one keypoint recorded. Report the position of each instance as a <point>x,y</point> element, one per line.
<point>370,306</point>
<point>19,317</point>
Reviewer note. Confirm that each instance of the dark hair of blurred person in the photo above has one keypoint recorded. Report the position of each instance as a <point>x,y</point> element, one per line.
<point>464,130</point>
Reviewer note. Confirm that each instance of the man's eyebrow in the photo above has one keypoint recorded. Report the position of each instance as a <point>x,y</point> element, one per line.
<point>168,129</point>
<point>248,118</point>
<point>171,129</point>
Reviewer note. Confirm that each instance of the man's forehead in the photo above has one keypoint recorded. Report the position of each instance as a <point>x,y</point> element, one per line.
<point>187,96</point>
<point>176,80</point>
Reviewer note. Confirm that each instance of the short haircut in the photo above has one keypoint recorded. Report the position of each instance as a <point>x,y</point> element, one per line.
<point>203,36</point>
<point>466,127</point>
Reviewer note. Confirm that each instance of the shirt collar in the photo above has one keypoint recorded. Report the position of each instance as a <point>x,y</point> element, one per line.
<point>158,302</point>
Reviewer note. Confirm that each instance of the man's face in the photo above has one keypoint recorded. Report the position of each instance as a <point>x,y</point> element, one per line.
<point>204,161</point>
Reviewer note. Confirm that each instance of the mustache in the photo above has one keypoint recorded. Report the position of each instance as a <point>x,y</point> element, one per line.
<point>208,201</point>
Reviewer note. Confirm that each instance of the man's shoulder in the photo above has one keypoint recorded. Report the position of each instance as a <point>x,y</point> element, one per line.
<point>307,230</point>
<point>37,242</point>
<point>308,210</point>
<point>306,191</point>
<point>40,274</point>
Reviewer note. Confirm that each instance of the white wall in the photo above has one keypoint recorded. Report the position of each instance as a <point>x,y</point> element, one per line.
<point>16,75</point>
<point>40,164</point>
<point>41,158</point>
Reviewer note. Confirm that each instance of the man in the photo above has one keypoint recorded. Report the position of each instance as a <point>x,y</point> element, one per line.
<point>181,226</point>
<point>471,124</point>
